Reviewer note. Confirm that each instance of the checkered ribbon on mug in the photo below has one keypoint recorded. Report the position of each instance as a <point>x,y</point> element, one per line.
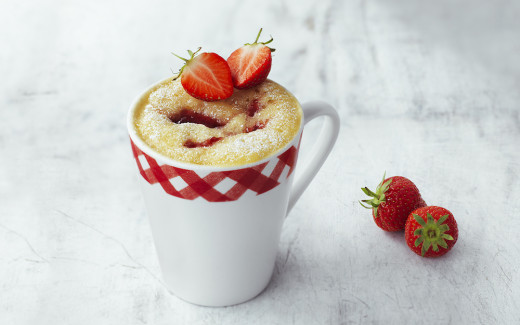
<point>189,185</point>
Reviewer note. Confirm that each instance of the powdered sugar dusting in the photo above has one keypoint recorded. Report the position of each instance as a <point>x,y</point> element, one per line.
<point>245,139</point>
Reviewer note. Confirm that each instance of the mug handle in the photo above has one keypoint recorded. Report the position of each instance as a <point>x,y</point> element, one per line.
<point>322,146</point>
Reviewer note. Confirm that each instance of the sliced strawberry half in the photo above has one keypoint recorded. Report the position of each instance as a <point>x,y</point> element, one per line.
<point>206,76</point>
<point>250,65</point>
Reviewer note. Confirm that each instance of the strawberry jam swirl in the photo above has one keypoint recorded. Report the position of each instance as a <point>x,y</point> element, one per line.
<point>250,125</point>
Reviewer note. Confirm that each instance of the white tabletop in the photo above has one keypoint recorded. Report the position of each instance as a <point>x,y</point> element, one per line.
<point>426,91</point>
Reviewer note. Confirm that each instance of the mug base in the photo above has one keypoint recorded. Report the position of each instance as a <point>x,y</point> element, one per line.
<point>212,301</point>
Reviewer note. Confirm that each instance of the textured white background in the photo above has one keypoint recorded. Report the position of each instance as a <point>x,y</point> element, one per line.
<point>425,90</point>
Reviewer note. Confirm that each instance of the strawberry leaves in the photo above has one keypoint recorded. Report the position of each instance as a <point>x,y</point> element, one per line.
<point>431,233</point>
<point>377,197</point>
<point>192,55</point>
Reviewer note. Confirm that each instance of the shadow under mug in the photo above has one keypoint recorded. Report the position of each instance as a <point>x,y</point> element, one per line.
<point>216,229</point>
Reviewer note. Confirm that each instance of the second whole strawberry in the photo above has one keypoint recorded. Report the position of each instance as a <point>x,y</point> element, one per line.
<point>394,199</point>
<point>431,231</point>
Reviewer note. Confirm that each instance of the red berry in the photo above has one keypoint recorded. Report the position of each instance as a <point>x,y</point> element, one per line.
<point>431,231</point>
<point>394,199</point>
<point>250,65</point>
<point>206,76</point>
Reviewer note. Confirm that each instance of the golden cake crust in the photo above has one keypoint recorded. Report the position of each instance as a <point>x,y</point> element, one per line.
<point>250,125</point>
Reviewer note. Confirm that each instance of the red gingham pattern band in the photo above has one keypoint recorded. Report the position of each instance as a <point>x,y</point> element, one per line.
<point>194,186</point>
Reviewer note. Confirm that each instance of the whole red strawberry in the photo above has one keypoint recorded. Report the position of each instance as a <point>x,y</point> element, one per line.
<point>431,231</point>
<point>206,76</point>
<point>250,65</point>
<point>392,202</point>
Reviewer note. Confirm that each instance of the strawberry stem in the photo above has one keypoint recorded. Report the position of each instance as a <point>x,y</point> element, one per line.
<point>192,55</point>
<point>258,36</point>
<point>263,43</point>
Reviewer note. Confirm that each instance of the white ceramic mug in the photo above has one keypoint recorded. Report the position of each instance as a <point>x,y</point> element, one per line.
<point>216,229</point>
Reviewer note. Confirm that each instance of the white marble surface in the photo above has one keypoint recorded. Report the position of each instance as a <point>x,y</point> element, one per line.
<point>425,90</point>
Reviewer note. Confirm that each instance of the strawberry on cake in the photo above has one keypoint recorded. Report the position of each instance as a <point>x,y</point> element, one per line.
<point>219,112</point>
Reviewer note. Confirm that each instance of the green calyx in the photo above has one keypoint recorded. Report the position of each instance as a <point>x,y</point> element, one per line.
<point>432,233</point>
<point>263,43</point>
<point>192,55</point>
<point>377,197</point>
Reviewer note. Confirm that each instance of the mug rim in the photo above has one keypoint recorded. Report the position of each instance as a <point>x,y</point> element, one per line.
<point>144,147</point>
